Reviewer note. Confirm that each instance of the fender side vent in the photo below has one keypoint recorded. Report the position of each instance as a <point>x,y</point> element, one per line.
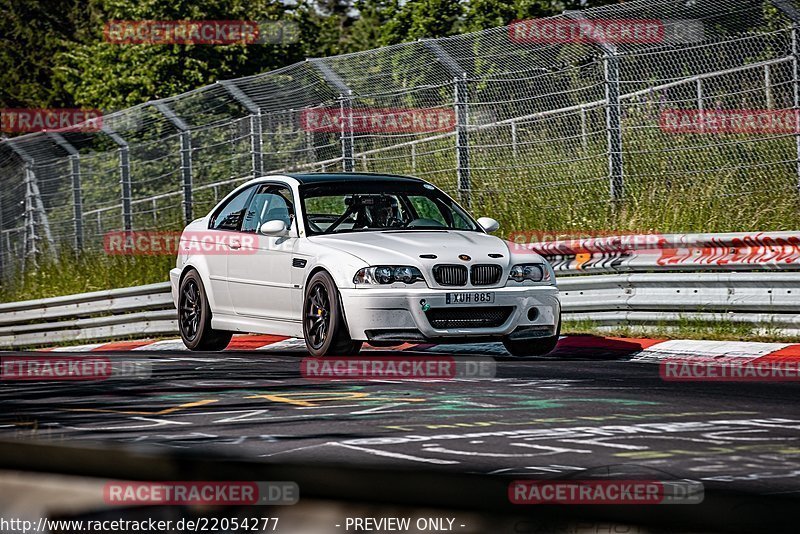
<point>298,262</point>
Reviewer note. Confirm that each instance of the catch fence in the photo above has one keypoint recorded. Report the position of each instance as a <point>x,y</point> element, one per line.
<point>538,131</point>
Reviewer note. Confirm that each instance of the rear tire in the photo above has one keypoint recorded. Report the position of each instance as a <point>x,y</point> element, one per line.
<point>532,347</point>
<point>194,317</point>
<point>324,328</point>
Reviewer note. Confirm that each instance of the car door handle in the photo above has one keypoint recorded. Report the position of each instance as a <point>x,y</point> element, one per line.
<point>235,246</point>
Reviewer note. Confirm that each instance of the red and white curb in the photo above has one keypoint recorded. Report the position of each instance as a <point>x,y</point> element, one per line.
<point>636,350</point>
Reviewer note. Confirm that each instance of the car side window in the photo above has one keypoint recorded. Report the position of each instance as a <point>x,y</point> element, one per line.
<point>230,216</point>
<point>270,202</point>
<point>427,209</point>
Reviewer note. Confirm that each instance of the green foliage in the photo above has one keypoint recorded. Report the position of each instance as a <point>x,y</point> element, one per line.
<point>68,273</point>
<point>32,34</point>
<point>417,19</point>
<point>52,52</point>
<point>112,76</point>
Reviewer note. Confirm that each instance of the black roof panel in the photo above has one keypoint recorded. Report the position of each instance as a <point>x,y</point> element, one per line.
<point>317,177</point>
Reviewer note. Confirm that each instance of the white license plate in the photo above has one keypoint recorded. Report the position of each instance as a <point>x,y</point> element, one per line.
<point>471,297</point>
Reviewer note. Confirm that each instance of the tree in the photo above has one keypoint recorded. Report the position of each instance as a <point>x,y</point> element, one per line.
<point>418,19</point>
<point>367,30</point>
<point>110,76</point>
<point>32,33</point>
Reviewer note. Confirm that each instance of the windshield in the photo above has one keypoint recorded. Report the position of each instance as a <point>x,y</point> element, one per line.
<point>358,206</point>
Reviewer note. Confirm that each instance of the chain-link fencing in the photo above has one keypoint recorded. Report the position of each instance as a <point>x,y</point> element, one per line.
<point>669,116</point>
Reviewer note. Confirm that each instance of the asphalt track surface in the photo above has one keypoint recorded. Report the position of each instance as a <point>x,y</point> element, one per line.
<point>560,415</point>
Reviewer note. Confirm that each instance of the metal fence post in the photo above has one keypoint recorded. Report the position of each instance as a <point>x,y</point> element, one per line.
<point>613,127</point>
<point>345,110</point>
<point>584,138</point>
<point>256,126</point>
<point>346,131</point>
<point>2,246</point>
<point>186,157</point>
<point>255,145</point>
<point>77,200</point>
<point>30,249</point>
<point>77,192</point>
<point>125,182</point>
<point>790,11</point>
<point>514,140</point>
<point>186,172</point>
<point>124,178</point>
<point>699,91</point>
<point>613,115</point>
<point>462,140</point>
<point>33,206</point>
<point>796,94</point>
<point>768,87</point>
<point>461,107</point>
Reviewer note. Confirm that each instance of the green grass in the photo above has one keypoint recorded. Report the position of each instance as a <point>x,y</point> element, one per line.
<point>68,273</point>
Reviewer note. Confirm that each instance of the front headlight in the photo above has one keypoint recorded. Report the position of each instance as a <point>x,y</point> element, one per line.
<point>540,273</point>
<point>387,274</point>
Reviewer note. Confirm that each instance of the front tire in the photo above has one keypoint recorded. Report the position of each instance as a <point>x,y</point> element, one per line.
<point>194,317</point>
<point>324,328</point>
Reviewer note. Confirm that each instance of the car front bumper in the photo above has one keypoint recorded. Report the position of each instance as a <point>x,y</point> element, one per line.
<point>397,314</point>
<point>174,280</point>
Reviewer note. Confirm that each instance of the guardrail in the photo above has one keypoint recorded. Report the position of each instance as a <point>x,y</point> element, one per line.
<point>743,251</point>
<point>740,278</point>
<point>116,313</point>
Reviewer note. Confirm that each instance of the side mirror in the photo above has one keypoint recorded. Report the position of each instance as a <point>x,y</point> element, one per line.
<point>275,227</point>
<point>489,224</point>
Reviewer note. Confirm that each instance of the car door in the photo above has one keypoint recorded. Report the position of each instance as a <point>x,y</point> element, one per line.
<point>214,246</point>
<point>259,274</point>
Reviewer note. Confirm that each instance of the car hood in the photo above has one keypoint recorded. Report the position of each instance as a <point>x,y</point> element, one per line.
<point>404,247</point>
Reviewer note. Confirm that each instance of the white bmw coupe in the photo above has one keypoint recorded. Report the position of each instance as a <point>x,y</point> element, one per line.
<point>343,259</point>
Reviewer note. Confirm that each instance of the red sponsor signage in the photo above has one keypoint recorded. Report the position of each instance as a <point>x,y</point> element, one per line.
<point>729,370</point>
<point>730,121</point>
<point>616,492</point>
<point>560,30</point>
<point>385,120</point>
<point>155,243</point>
<point>749,250</point>
<point>216,32</point>
<point>18,120</point>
